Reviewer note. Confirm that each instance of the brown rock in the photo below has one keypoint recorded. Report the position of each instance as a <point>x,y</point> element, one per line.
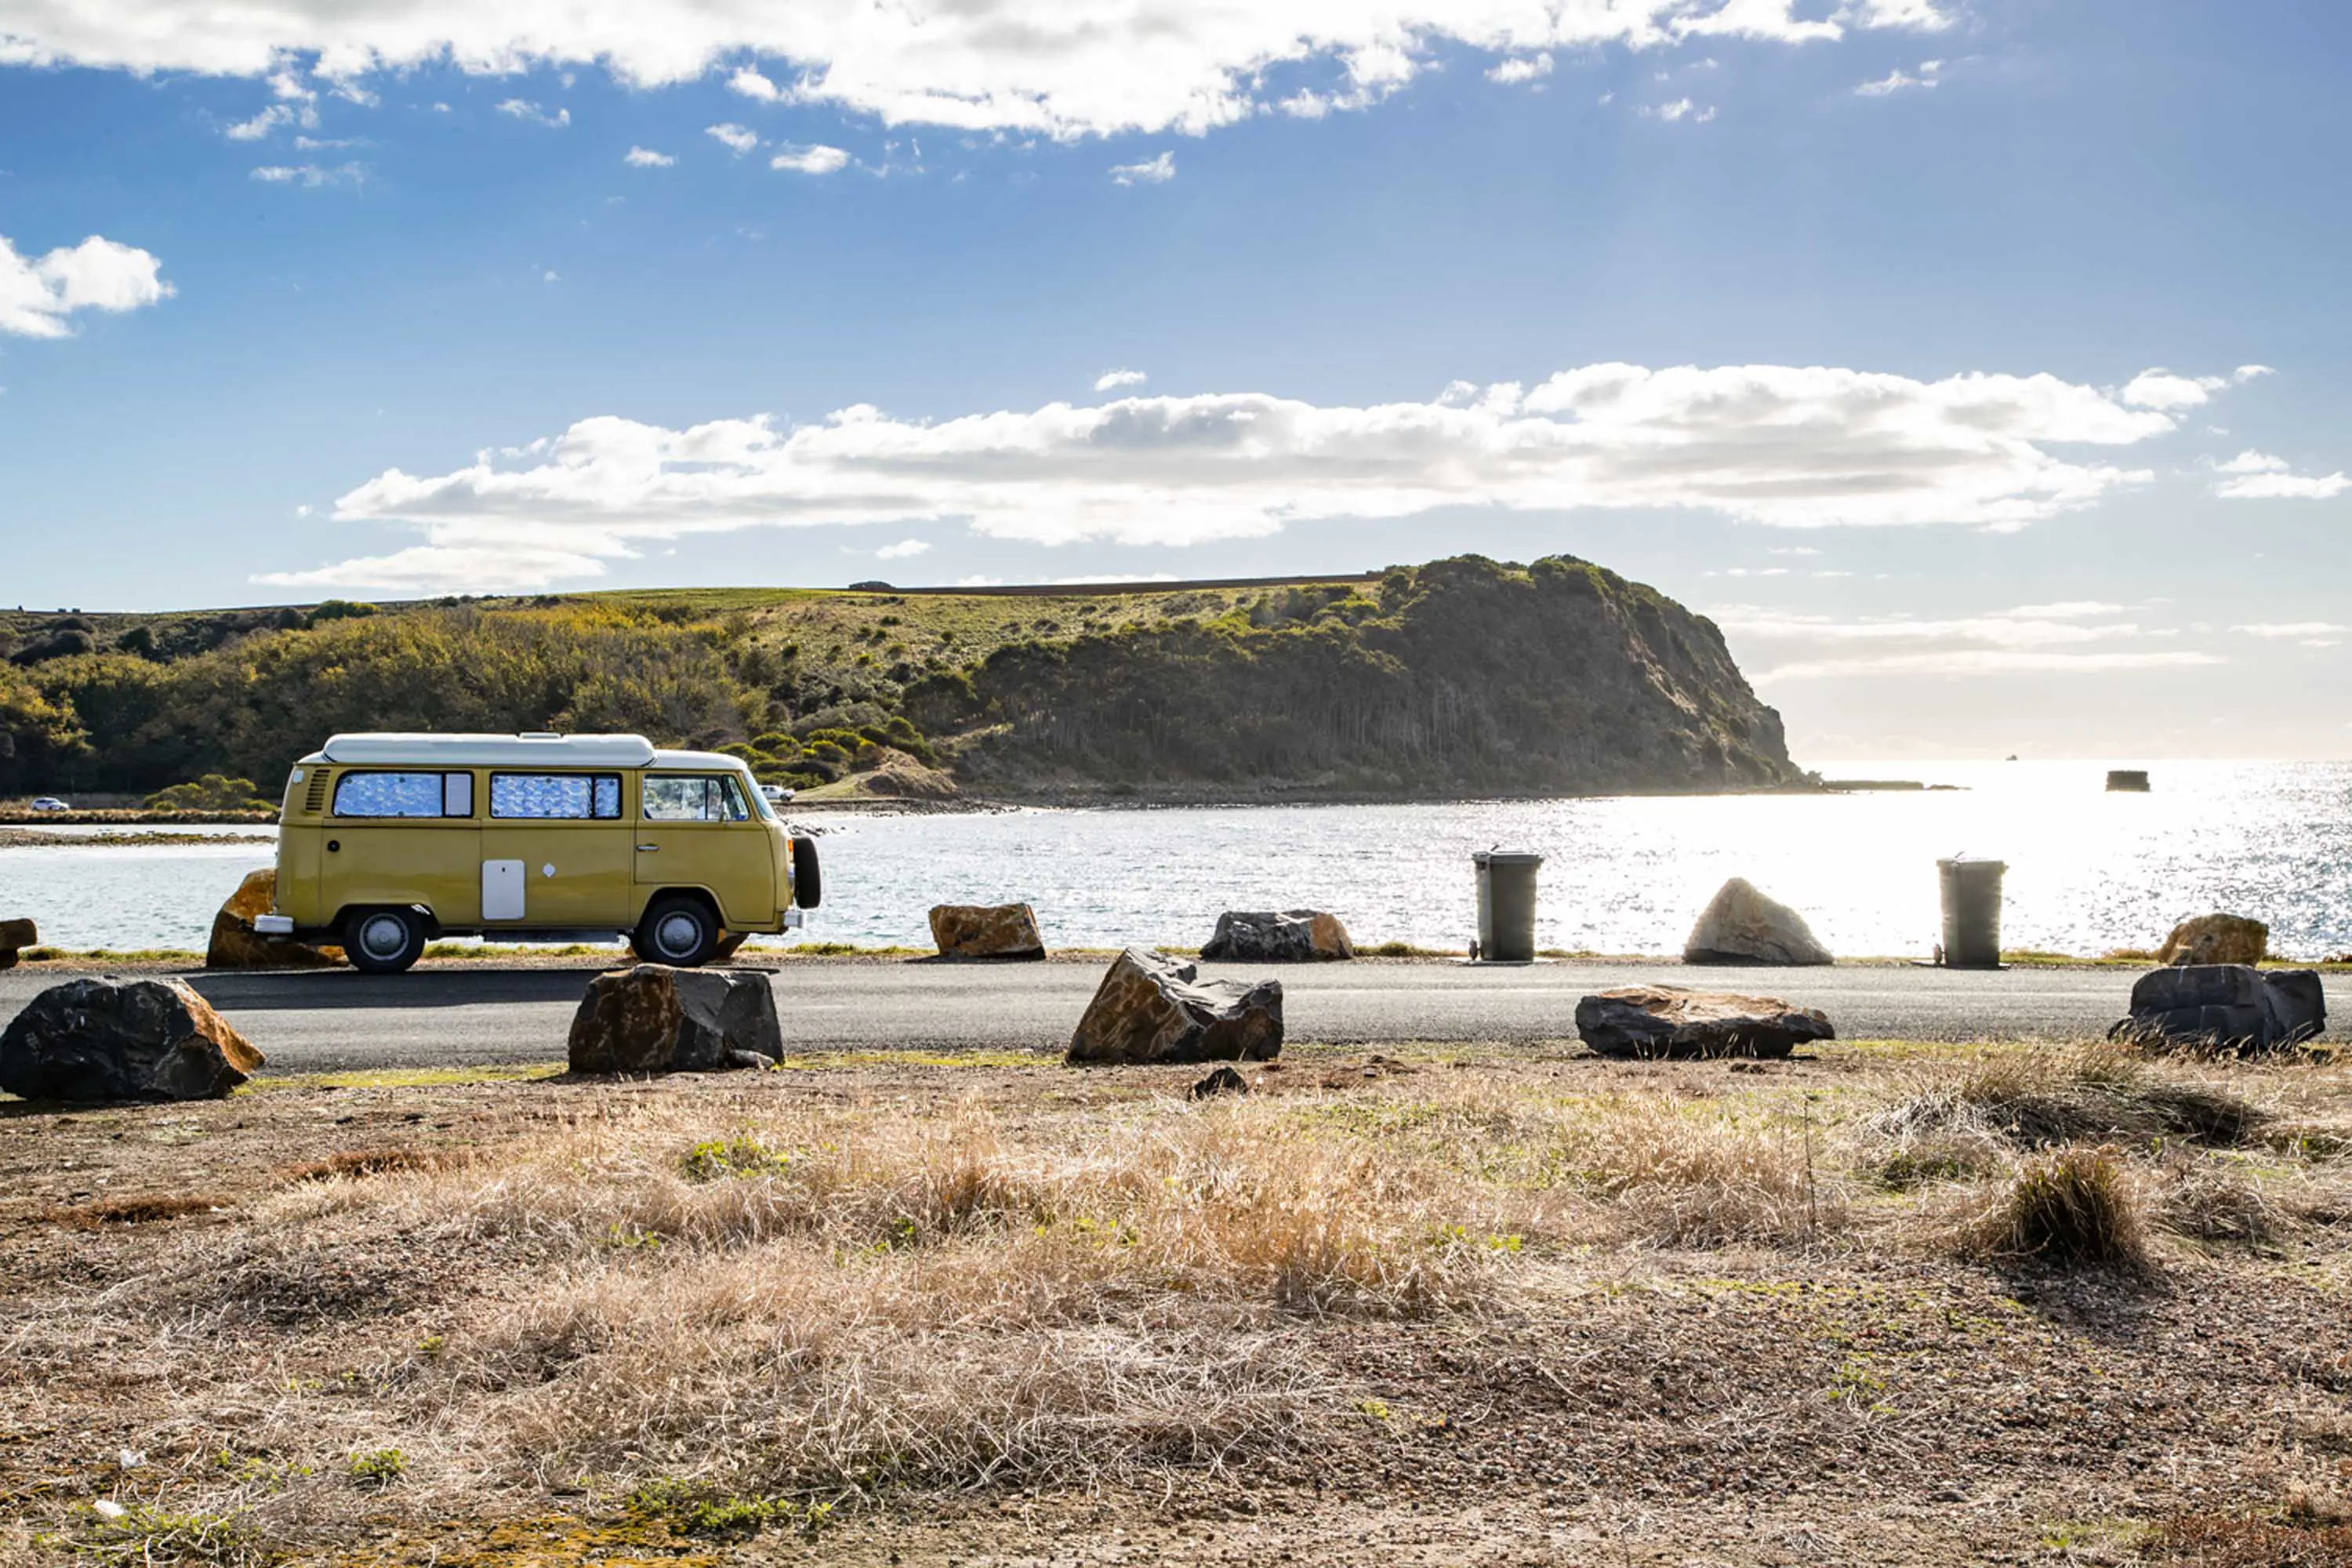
<point>14,935</point>
<point>986,931</point>
<point>1154,1008</point>
<point>656,1019</point>
<point>103,1039</point>
<point>1291,936</point>
<point>2216,938</point>
<point>235,943</point>
<point>1655,1021</point>
<point>1740,925</point>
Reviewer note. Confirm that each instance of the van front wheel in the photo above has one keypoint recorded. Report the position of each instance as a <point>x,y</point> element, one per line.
<point>677,930</point>
<point>384,941</point>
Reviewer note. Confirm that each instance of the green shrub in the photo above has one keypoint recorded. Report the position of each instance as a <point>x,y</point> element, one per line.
<point>213,792</point>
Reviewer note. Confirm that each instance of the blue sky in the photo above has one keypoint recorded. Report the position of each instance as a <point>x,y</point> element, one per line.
<point>1835,320</point>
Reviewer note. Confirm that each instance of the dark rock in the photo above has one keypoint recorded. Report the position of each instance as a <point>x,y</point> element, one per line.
<point>2231,1005</point>
<point>986,931</point>
<point>655,1019</point>
<point>105,1039</point>
<point>1154,1008</point>
<point>1654,1021</point>
<point>1224,1081</point>
<point>1291,936</point>
<point>1740,925</point>
<point>14,935</point>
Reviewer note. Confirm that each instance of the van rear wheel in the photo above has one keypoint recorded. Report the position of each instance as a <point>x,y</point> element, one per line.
<point>384,941</point>
<point>677,930</point>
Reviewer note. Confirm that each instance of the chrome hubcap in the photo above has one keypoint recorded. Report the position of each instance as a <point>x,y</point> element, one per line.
<point>383,936</point>
<point>678,934</point>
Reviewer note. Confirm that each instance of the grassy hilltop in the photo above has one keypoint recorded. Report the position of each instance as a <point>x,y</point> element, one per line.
<point>1462,676</point>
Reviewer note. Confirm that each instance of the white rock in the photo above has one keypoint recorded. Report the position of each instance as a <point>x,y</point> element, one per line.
<point>1740,925</point>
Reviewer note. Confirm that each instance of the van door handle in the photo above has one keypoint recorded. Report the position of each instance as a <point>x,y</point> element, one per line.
<point>649,848</point>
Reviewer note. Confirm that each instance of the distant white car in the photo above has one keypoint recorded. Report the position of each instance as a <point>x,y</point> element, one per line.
<point>50,802</point>
<point>777,794</point>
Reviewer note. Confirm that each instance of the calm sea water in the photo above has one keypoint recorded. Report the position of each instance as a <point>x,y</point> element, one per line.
<point>2088,871</point>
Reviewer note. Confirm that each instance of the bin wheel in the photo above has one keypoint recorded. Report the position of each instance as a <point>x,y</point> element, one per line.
<point>384,941</point>
<point>677,931</point>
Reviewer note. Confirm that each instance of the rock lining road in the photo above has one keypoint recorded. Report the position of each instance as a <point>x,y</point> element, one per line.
<point>337,1020</point>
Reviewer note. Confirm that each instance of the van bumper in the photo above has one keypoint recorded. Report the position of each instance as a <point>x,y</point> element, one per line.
<point>273,925</point>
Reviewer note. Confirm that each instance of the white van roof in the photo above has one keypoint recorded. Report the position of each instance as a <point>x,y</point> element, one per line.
<point>489,751</point>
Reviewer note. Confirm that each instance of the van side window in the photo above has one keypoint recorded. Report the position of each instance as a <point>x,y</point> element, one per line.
<point>570,797</point>
<point>701,797</point>
<point>403,794</point>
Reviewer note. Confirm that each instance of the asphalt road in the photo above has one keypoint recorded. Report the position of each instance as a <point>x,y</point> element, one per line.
<point>334,1020</point>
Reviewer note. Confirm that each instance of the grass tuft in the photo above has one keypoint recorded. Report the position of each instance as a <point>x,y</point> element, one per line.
<point>2075,1206</point>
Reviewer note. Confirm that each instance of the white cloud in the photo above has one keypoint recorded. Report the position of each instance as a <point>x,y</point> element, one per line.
<point>1679,109</point>
<point>1522,67</point>
<point>449,569</point>
<point>2260,475</point>
<point>1112,380</point>
<point>737,139</point>
<point>523,109</point>
<point>2310,634</point>
<point>311,175</point>
<point>1895,80</point>
<point>905,549</point>
<point>2072,637</point>
<point>1064,71</point>
<point>1777,445</point>
<point>2162,389</point>
<point>1981,661</point>
<point>2284,486</point>
<point>37,293</point>
<point>817,160</point>
<point>750,84</point>
<point>1155,172</point>
<point>647,158</point>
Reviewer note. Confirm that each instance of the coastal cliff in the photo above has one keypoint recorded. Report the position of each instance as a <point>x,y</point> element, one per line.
<point>1461,677</point>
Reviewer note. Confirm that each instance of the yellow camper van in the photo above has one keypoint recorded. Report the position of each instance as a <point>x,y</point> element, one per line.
<point>387,841</point>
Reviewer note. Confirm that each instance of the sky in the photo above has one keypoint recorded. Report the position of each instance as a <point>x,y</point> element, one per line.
<point>1982,367</point>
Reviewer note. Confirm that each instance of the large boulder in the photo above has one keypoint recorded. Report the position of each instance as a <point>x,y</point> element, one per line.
<point>1655,1021</point>
<point>655,1019</point>
<point>2216,938</point>
<point>1291,936</point>
<point>986,931</point>
<point>103,1040</point>
<point>2232,1005</point>
<point>235,943</point>
<point>15,936</point>
<point>1740,925</point>
<point>1154,1008</point>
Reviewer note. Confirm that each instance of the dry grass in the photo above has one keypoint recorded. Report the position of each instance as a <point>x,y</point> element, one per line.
<point>2073,1208</point>
<point>842,1286</point>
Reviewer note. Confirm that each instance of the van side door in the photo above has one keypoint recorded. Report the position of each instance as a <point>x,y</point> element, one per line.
<point>555,851</point>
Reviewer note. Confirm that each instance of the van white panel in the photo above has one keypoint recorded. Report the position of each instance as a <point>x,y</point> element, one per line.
<point>502,889</point>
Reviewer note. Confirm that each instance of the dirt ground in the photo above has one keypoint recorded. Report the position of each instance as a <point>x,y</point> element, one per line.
<point>1458,1305</point>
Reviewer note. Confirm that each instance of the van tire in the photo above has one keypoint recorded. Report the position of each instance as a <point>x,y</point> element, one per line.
<point>679,930</point>
<point>384,941</point>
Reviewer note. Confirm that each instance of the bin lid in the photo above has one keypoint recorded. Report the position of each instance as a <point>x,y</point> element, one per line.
<point>1971,863</point>
<point>1506,857</point>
